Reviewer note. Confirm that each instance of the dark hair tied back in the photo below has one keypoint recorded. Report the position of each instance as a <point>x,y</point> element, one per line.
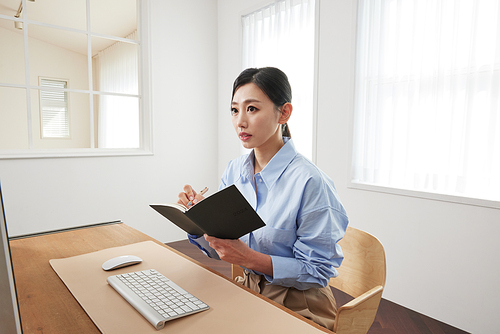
<point>273,82</point>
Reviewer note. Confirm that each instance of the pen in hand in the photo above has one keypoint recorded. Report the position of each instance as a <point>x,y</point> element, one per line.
<point>190,203</point>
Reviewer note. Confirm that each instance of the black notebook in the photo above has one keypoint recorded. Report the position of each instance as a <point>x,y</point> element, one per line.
<point>225,215</point>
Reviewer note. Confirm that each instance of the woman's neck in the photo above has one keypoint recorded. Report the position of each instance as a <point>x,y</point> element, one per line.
<point>263,155</point>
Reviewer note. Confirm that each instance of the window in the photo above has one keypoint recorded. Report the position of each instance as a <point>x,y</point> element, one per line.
<point>101,49</point>
<point>54,113</point>
<point>282,35</point>
<point>118,116</point>
<point>427,105</point>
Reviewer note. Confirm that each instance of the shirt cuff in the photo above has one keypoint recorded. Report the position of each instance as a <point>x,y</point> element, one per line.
<point>202,244</point>
<point>290,272</point>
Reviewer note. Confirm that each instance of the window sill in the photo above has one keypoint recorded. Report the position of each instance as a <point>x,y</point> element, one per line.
<point>72,153</point>
<point>426,195</point>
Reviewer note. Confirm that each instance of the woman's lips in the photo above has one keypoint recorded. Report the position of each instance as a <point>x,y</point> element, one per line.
<point>244,136</point>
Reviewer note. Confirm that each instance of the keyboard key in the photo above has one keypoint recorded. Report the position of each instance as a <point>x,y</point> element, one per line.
<point>191,305</point>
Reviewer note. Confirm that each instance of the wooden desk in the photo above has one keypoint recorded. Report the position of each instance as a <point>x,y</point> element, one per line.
<point>47,306</point>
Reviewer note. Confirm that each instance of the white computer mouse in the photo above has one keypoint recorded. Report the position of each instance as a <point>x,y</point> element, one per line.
<point>121,261</point>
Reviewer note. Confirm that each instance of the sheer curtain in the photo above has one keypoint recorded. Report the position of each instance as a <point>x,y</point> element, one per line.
<point>117,72</point>
<point>282,35</point>
<point>427,108</point>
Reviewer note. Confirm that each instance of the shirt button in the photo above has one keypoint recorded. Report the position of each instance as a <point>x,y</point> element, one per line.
<point>260,180</point>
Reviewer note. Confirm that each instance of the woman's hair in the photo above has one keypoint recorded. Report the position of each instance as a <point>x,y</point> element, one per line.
<point>273,82</point>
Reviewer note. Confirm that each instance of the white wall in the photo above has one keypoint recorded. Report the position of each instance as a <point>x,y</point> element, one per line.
<point>46,194</point>
<point>441,257</point>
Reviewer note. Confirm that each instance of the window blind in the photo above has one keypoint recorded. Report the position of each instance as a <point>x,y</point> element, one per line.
<point>54,109</point>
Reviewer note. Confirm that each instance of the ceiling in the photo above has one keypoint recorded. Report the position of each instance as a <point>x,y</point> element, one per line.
<point>107,17</point>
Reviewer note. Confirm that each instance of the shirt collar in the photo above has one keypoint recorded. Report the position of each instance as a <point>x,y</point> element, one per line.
<point>248,168</point>
<point>273,170</point>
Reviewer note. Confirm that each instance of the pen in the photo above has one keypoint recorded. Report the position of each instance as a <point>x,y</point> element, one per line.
<point>190,203</point>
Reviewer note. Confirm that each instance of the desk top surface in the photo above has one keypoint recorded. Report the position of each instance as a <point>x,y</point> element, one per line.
<point>47,306</point>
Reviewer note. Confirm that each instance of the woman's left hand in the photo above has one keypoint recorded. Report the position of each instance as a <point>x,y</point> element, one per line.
<point>237,252</point>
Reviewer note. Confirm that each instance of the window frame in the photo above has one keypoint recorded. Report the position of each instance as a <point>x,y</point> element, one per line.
<point>144,95</point>
<point>423,195</point>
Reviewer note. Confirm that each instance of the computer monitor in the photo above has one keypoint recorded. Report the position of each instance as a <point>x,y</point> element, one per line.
<point>10,321</point>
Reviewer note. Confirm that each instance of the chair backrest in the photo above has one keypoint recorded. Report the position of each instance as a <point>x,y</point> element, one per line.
<point>363,266</point>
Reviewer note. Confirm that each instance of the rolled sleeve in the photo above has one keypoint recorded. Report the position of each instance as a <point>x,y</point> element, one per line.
<point>283,267</point>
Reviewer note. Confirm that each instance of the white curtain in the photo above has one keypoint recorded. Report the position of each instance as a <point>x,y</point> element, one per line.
<point>117,72</point>
<point>282,35</point>
<point>427,108</point>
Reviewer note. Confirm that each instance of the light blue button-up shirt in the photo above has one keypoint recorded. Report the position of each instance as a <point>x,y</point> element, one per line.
<point>303,214</point>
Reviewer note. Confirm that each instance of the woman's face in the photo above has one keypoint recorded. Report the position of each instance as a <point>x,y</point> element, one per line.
<point>255,118</point>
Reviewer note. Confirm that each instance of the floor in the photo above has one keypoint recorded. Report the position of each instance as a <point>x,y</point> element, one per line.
<point>391,318</point>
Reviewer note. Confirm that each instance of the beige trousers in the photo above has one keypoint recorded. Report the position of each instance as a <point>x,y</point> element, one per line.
<point>316,304</point>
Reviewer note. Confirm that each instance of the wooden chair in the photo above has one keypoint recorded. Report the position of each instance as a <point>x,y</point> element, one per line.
<point>361,275</point>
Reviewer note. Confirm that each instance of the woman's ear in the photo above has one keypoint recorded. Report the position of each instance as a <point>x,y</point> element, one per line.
<point>285,113</point>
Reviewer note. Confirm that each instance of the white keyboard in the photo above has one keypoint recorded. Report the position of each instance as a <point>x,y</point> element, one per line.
<point>156,297</point>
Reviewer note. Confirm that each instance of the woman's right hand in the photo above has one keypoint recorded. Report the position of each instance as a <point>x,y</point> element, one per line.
<point>189,197</point>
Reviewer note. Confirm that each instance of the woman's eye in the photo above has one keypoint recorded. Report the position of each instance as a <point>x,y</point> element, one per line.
<point>252,109</point>
<point>234,111</point>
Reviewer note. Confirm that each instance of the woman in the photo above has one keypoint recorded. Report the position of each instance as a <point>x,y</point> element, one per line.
<point>292,258</point>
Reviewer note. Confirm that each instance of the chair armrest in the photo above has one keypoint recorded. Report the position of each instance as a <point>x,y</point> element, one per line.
<point>236,271</point>
<point>357,316</point>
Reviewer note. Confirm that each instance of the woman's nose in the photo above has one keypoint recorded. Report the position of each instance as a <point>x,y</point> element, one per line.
<point>241,121</point>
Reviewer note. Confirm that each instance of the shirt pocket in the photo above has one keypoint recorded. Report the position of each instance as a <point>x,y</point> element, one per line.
<point>274,241</point>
